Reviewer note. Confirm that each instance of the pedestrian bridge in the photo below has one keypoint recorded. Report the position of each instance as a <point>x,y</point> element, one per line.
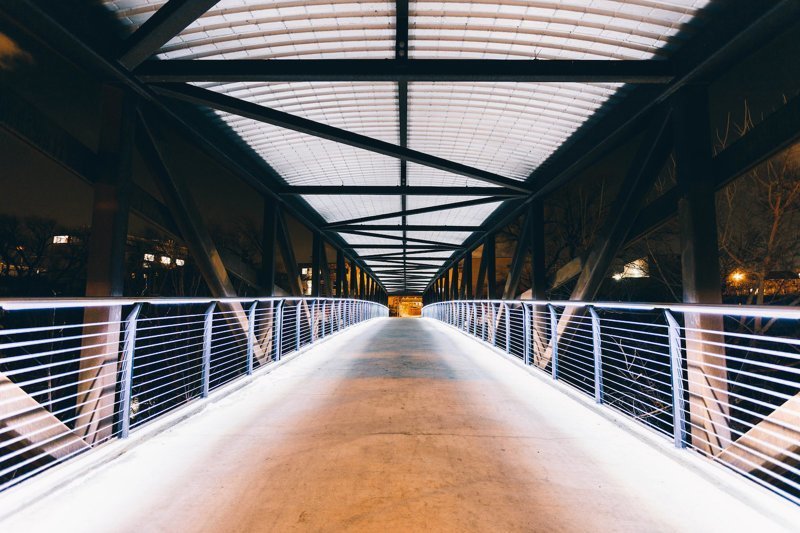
<point>383,424</point>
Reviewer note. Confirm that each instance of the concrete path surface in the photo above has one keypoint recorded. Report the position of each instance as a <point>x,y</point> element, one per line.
<point>397,425</point>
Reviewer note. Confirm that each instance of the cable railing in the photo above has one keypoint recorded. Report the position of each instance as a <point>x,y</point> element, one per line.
<point>78,373</point>
<point>723,381</point>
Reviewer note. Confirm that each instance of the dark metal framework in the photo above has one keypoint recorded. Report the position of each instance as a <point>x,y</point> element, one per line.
<point>735,30</point>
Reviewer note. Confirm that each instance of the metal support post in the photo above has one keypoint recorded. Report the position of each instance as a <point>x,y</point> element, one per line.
<point>278,325</point>
<point>598,366</point>
<point>526,324</point>
<point>322,319</point>
<point>207,330</point>
<point>297,326</point>
<point>508,328</point>
<point>553,341</point>
<point>483,322</point>
<point>126,380</point>
<point>251,336</point>
<point>313,316</point>
<point>676,366</point>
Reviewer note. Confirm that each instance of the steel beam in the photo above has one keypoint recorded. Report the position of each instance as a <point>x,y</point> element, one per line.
<point>177,193</point>
<point>105,268</point>
<point>228,104</point>
<point>481,281</point>
<point>517,261</point>
<point>467,275</point>
<point>410,212</point>
<point>394,190</point>
<point>491,266</point>
<point>407,227</point>
<point>268,248</point>
<point>40,22</point>
<point>706,363</point>
<point>650,157</point>
<point>537,245</point>
<point>409,70</point>
<point>741,29</point>
<point>340,273</point>
<point>403,247</point>
<point>170,19</point>
<point>287,253</point>
<point>389,237</point>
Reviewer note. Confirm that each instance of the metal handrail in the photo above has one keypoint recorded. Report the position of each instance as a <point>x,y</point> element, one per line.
<point>709,377</point>
<point>75,373</point>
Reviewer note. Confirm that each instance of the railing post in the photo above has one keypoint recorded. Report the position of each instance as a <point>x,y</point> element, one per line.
<point>474,319</point>
<point>126,380</point>
<point>526,324</point>
<point>508,328</point>
<point>207,330</point>
<point>493,329</point>
<point>322,320</point>
<point>598,367</point>
<point>278,327</point>
<point>251,336</point>
<point>313,316</point>
<point>483,323</point>
<point>553,341</point>
<point>676,365</point>
<point>297,326</point>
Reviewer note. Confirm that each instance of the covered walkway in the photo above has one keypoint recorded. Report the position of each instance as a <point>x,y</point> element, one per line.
<point>397,424</point>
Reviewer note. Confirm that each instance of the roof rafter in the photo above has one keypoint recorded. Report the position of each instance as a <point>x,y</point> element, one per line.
<point>418,211</point>
<point>393,190</point>
<point>228,104</point>
<point>409,70</point>
<point>171,18</point>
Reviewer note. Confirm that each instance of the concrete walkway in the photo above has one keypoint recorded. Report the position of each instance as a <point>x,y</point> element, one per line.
<point>398,425</point>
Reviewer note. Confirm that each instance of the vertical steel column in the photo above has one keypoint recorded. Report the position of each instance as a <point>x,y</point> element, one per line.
<point>706,361</point>
<point>467,275</point>
<point>363,293</point>
<point>339,273</point>
<point>676,367</point>
<point>251,335</point>
<point>535,223</point>
<point>208,325</point>
<point>598,362</point>
<point>95,408</point>
<point>268,240</point>
<point>316,246</point>
<point>126,379</point>
<point>553,341</point>
<point>454,282</point>
<point>278,327</point>
<point>491,267</point>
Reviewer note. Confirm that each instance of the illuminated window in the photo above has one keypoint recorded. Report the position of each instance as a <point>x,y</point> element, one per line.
<point>165,260</point>
<point>180,262</point>
<point>149,258</point>
<point>61,239</point>
<point>305,271</point>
